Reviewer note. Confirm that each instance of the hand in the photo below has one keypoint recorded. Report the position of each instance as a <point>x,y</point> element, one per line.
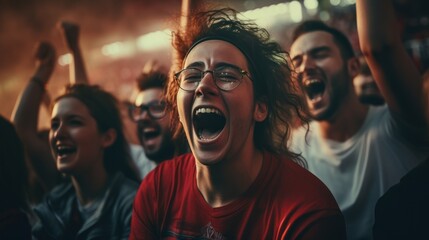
<point>71,34</point>
<point>45,61</point>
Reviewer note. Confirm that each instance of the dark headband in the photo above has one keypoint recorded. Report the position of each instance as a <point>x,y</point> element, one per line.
<point>230,40</point>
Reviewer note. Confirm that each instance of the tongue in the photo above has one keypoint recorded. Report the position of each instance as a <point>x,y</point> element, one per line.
<point>207,134</point>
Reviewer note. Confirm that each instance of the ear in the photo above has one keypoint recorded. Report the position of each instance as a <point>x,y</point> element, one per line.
<point>108,138</point>
<point>353,66</point>
<point>261,111</point>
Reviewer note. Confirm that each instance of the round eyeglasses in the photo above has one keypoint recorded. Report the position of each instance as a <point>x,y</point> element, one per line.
<point>156,110</point>
<point>226,78</point>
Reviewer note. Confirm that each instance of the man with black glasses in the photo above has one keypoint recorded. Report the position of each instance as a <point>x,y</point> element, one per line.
<point>152,118</point>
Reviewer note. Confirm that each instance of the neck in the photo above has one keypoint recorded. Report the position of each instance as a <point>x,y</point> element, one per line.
<point>224,182</point>
<point>90,186</point>
<point>346,122</point>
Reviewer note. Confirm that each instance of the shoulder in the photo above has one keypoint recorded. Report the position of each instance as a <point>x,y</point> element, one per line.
<point>122,192</point>
<point>168,170</point>
<point>161,185</point>
<point>410,187</point>
<point>307,204</point>
<point>58,197</point>
<point>124,184</point>
<point>168,174</point>
<point>303,185</point>
<point>401,212</point>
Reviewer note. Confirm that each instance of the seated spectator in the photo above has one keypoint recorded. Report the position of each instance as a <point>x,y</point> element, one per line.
<point>152,118</point>
<point>402,212</point>
<point>233,97</point>
<point>89,146</point>
<point>359,151</point>
<point>14,209</point>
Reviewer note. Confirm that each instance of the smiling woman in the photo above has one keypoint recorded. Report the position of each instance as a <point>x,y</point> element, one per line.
<point>89,146</point>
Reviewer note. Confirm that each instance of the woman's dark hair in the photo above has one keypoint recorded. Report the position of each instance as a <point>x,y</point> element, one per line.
<point>13,170</point>
<point>104,108</point>
<point>269,67</point>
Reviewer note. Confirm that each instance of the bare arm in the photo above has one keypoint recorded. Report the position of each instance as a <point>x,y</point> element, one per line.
<point>398,78</point>
<point>26,114</point>
<point>77,66</point>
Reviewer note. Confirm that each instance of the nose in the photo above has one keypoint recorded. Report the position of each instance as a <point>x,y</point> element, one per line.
<point>144,116</point>
<point>59,132</point>
<point>207,85</point>
<point>308,63</point>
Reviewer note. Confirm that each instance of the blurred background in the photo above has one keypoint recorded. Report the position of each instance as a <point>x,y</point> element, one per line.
<point>117,37</point>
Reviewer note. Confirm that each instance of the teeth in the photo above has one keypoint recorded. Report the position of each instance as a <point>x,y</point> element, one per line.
<point>62,147</point>
<point>208,110</point>
<point>311,81</point>
<point>149,130</point>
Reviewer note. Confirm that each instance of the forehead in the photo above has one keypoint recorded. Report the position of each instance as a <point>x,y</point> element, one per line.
<point>311,40</point>
<point>70,106</point>
<point>212,52</point>
<point>149,95</point>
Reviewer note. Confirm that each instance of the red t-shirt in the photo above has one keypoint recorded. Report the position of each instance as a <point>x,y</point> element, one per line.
<point>284,202</point>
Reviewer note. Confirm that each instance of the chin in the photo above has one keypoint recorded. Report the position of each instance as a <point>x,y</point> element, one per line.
<point>65,170</point>
<point>208,159</point>
<point>322,115</point>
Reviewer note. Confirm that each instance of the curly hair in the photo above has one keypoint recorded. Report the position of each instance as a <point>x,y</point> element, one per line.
<point>104,108</point>
<point>269,67</point>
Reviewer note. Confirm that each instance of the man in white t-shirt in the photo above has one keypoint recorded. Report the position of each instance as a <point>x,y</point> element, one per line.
<point>357,150</point>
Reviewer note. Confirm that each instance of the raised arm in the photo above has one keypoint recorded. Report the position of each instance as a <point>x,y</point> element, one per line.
<point>398,78</point>
<point>77,65</point>
<point>26,113</point>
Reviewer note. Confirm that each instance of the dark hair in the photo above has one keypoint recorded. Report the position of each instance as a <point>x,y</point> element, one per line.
<point>104,108</point>
<point>13,170</point>
<point>340,38</point>
<point>269,68</point>
<point>151,79</point>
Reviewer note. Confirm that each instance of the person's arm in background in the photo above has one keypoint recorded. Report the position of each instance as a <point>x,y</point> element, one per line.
<point>396,75</point>
<point>26,113</point>
<point>77,65</point>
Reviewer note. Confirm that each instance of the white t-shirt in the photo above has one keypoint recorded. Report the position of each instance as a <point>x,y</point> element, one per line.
<point>143,164</point>
<point>360,170</point>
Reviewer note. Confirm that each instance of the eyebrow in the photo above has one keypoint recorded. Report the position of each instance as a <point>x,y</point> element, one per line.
<point>217,65</point>
<point>153,102</point>
<point>313,51</point>
<point>69,116</point>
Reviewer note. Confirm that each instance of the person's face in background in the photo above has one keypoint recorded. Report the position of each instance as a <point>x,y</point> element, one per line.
<point>76,143</point>
<point>322,73</point>
<point>153,131</point>
<point>365,86</point>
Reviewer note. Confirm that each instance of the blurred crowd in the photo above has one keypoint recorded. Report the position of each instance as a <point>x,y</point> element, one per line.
<point>323,135</point>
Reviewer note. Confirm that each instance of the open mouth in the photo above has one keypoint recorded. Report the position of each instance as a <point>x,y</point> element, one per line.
<point>208,123</point>
<point>63,151</point>
<point>151,133</point>
<point>314,89</point>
